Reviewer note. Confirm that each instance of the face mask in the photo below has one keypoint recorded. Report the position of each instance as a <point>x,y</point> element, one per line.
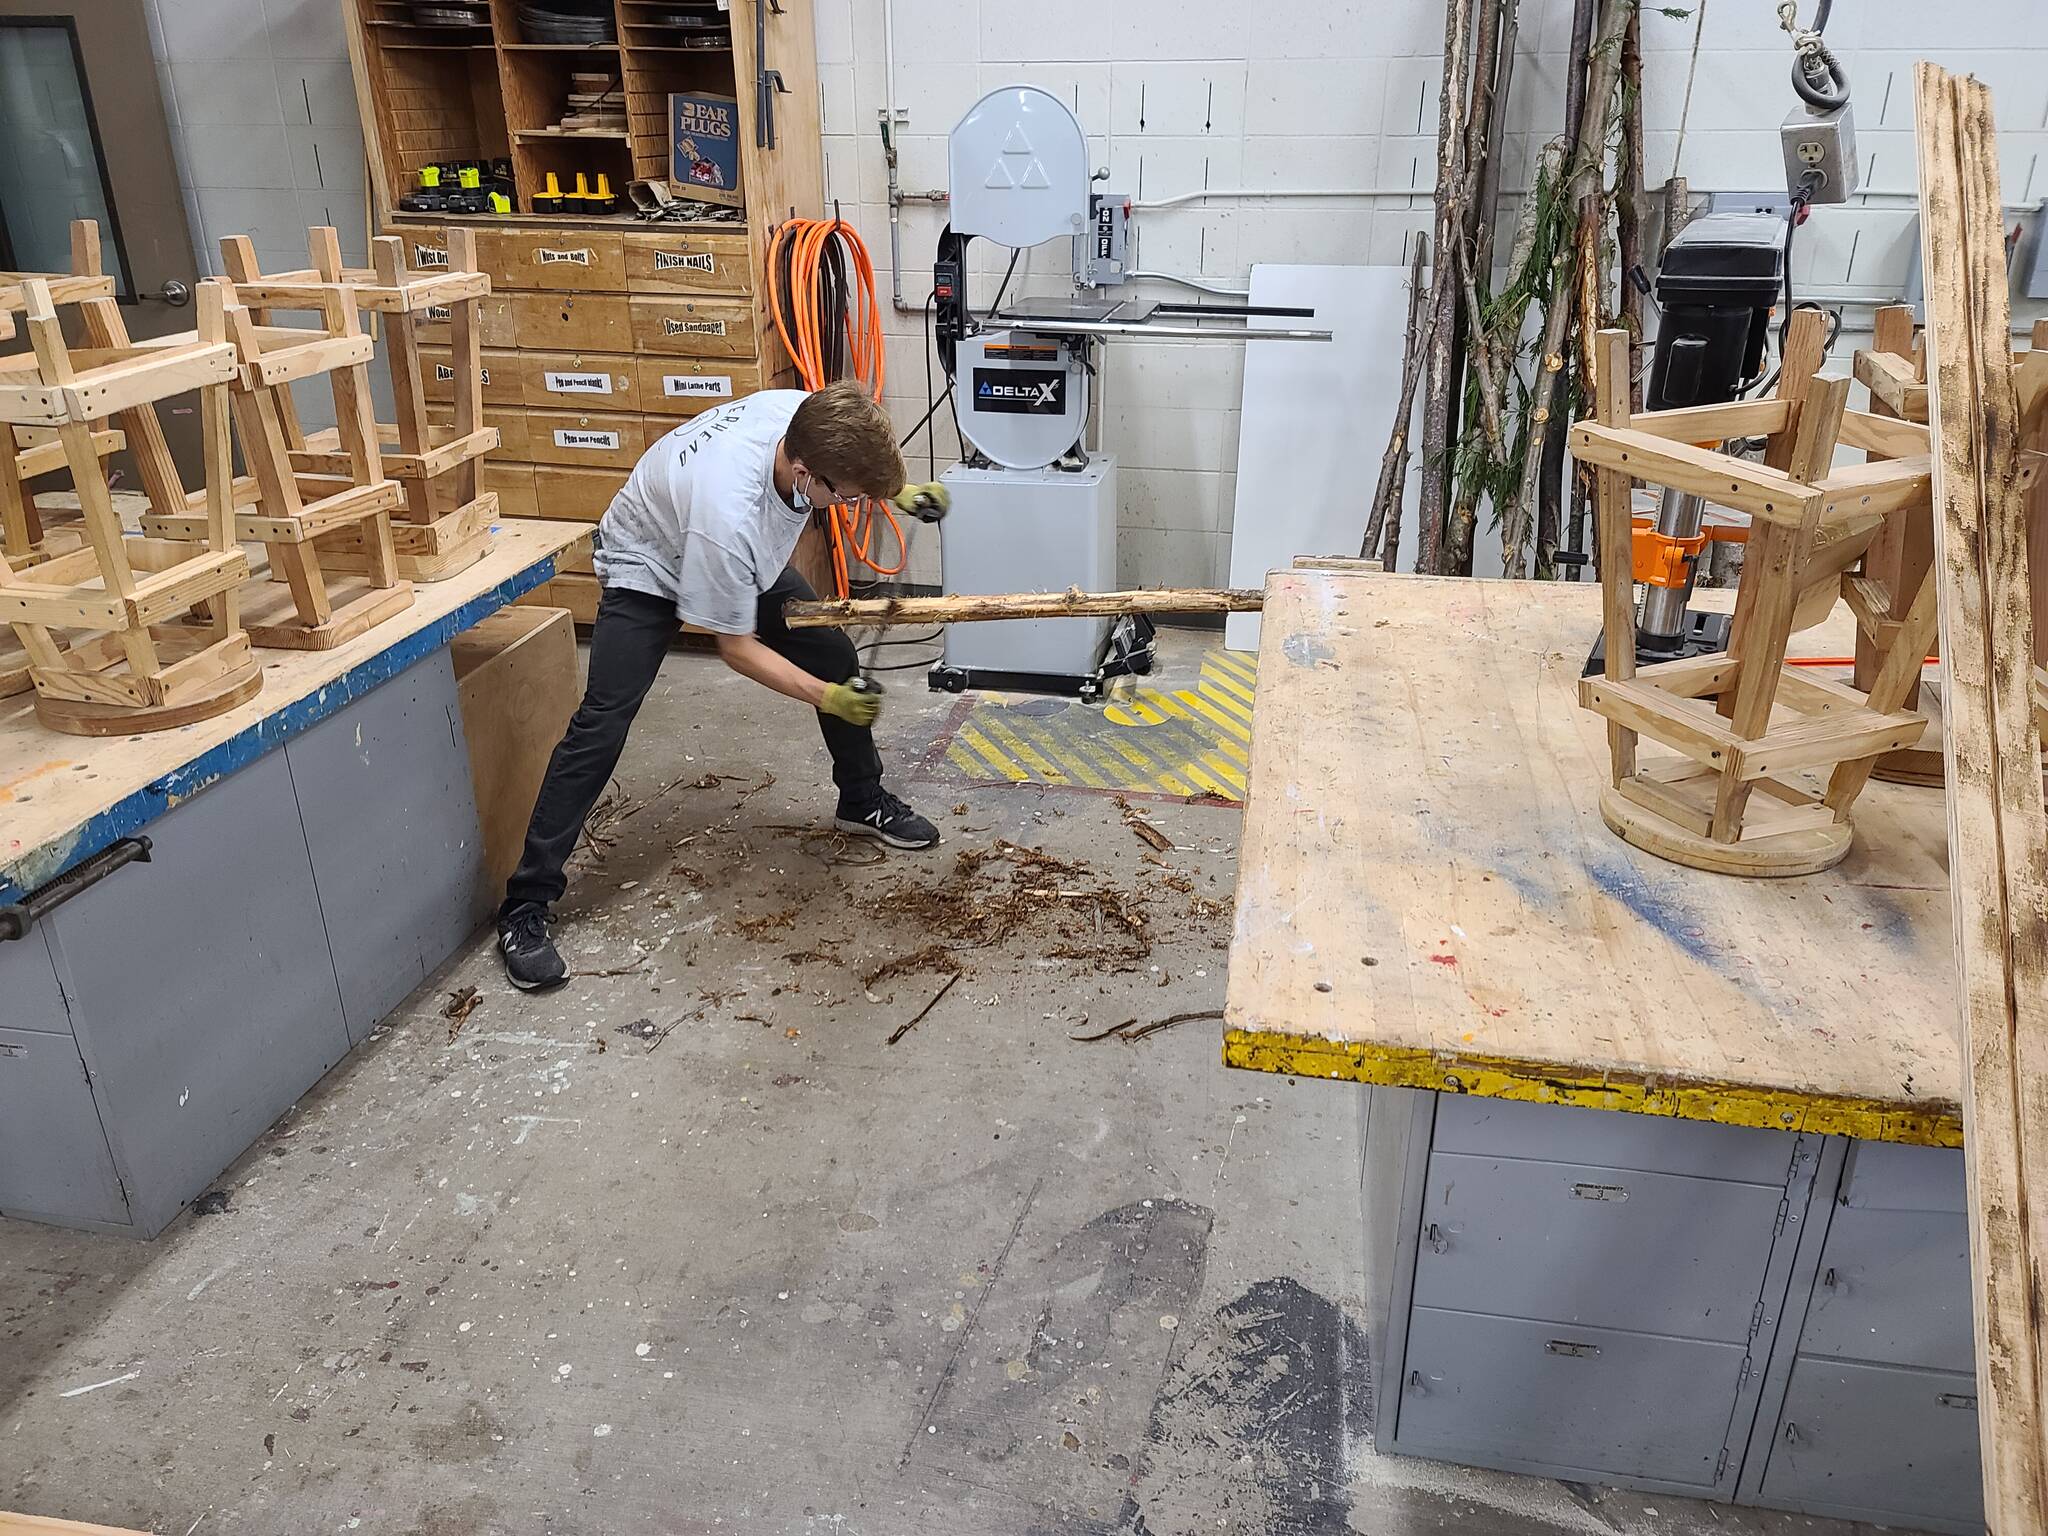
<point>801,499</point>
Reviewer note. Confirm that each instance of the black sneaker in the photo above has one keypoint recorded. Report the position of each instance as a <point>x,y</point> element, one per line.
<point>532,963</point>
<point>889,819</point>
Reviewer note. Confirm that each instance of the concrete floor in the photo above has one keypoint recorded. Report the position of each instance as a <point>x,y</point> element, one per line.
<point>687,1247</point>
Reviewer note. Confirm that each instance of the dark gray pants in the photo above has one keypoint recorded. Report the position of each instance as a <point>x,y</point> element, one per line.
<point>632,634</point>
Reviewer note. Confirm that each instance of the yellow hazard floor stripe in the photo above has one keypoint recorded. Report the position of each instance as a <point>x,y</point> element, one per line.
<point>1216,716</point>
<point>1225,702</point>
<point>1021,749</point>
<point>1244,666</point>
<point>1161,778</point>
<point>1229,682</point>
<point>996,758</point>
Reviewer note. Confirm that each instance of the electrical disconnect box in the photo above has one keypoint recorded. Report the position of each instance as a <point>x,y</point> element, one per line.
<point>1820,153</point>
<point>1099,250</point>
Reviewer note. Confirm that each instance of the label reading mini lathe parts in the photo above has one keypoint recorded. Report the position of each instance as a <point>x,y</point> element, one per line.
<point>576,383</point>
<point>576,258</point>
<point>697,386</point>
<point>680,261</point>
<point>693,327</point>
<point>429,256</point>
<point>566,437</point>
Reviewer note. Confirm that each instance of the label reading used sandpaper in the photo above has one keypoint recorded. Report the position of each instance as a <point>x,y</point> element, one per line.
<point>693,327</point>
<point>567,437</point>
<point>576,383</point>
<point>697,386</point>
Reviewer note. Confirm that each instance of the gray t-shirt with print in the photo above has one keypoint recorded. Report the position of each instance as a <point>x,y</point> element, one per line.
<point>699,522</point>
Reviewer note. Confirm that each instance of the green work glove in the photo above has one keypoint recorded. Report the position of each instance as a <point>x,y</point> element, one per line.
<point>850,704</point>
<point>927,503</point>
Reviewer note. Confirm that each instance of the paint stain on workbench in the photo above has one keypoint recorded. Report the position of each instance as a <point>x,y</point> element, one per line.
<point>1305,650</point>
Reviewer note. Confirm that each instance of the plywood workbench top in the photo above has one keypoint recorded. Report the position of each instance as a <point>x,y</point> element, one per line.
<point>63,798</point>
<point>1427,896</point>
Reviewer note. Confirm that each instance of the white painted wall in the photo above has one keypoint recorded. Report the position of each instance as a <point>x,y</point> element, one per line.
<point>1175,95</point>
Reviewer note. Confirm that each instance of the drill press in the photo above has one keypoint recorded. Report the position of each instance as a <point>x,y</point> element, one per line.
<point>1714,294</point>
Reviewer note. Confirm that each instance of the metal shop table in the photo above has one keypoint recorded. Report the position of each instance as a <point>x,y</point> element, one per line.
<point>1660,1168</point>
<point>314,855</point>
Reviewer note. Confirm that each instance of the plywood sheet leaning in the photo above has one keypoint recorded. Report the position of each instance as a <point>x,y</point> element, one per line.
<point>1997,831</point>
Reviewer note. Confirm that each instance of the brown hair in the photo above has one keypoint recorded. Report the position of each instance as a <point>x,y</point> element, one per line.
<point>841,434</point>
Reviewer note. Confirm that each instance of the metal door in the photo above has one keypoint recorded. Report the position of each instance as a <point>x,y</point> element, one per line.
<point>83,135</point>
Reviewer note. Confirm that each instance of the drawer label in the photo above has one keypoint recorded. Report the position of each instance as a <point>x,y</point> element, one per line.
<point>429,255</point>
<point>1614,1192</point>
<point>444,374</point>
<point>439,312</point>
<point>576,258</point>
<point>567,437</point>
<point>680,261</point>
<point>696,386</point>
<point>693,327</point>
<point>576,383</point>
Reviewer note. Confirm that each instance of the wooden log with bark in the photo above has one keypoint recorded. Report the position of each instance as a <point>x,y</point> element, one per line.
<point>963,608</point>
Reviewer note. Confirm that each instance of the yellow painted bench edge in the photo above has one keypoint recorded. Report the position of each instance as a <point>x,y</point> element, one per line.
<point>1530,1082</point>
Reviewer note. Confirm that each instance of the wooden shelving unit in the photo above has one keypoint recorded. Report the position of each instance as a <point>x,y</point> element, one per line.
<point>604,332</point>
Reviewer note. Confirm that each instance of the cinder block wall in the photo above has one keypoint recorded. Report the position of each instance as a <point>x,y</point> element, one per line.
<point>1176,96</point>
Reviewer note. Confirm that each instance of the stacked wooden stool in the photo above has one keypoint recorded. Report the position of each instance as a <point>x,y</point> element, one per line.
<point>444,525</point>
<point>1746,728</point>
<point>305,605</point>
<point>104,655</point>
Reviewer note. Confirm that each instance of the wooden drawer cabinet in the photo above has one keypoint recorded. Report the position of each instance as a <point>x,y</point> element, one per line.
<point>683,386</point>
<point>574,322</point>
<point>494,320</point>
<point>569,260</point>
<point>513,484</point>
<point>584,439</point>
<point>500,381</point>
<point>687,263</point>
<point>552,380</point>
<point>694,327</point>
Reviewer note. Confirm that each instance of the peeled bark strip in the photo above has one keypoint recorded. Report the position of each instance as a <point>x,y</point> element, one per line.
<point>1386,500</point>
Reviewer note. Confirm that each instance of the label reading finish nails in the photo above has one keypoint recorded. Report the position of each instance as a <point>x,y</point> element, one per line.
<point>693,327</point>
<point>569,438</point>
<point>697,386</point>
<point>576,383</point>
<point>680,261</point>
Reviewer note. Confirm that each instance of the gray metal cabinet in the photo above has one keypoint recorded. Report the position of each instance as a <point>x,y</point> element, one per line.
<point>390,820</point>
<point>1871,1409</point>
<point>154,1025</point>
<point>1576,1293</point>
<point>191,1061</point>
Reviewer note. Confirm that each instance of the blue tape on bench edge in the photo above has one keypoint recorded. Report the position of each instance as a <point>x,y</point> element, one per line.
<point>131,814</point>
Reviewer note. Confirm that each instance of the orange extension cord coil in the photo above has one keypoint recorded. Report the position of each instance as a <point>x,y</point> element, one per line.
<point>817,267</point>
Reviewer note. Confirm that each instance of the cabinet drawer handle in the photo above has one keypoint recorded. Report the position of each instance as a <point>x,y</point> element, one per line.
<point>1438,1242</point>
<point>1791,1433</point>
<point>1614,1192</point>
<point>1958,1400</point>
<point>1567,1347</point>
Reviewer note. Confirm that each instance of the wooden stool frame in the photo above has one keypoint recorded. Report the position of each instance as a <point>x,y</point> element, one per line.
<point>1744,721</point>
<point>445,524</point>
<point>130,669</point>
<point>306,605</point>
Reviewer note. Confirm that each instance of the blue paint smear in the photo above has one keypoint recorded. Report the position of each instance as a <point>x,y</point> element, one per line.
<point>128,816</point>
<point>1676,919</point>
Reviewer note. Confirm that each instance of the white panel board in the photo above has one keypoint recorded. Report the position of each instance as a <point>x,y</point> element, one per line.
<point>1315,423</point>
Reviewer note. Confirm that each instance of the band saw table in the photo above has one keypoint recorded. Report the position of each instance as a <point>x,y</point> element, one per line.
<point>1660,1168</point>
<point>313,855</point>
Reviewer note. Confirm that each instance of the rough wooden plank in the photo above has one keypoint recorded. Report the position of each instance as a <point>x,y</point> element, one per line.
<point>1997,831</point>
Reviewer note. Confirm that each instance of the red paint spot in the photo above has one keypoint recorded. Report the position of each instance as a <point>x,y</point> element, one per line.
<point>1443,959</point>
<point>1498,1013</point>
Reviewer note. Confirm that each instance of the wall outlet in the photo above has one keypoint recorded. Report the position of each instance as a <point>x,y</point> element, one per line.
<point>1820,154</point>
